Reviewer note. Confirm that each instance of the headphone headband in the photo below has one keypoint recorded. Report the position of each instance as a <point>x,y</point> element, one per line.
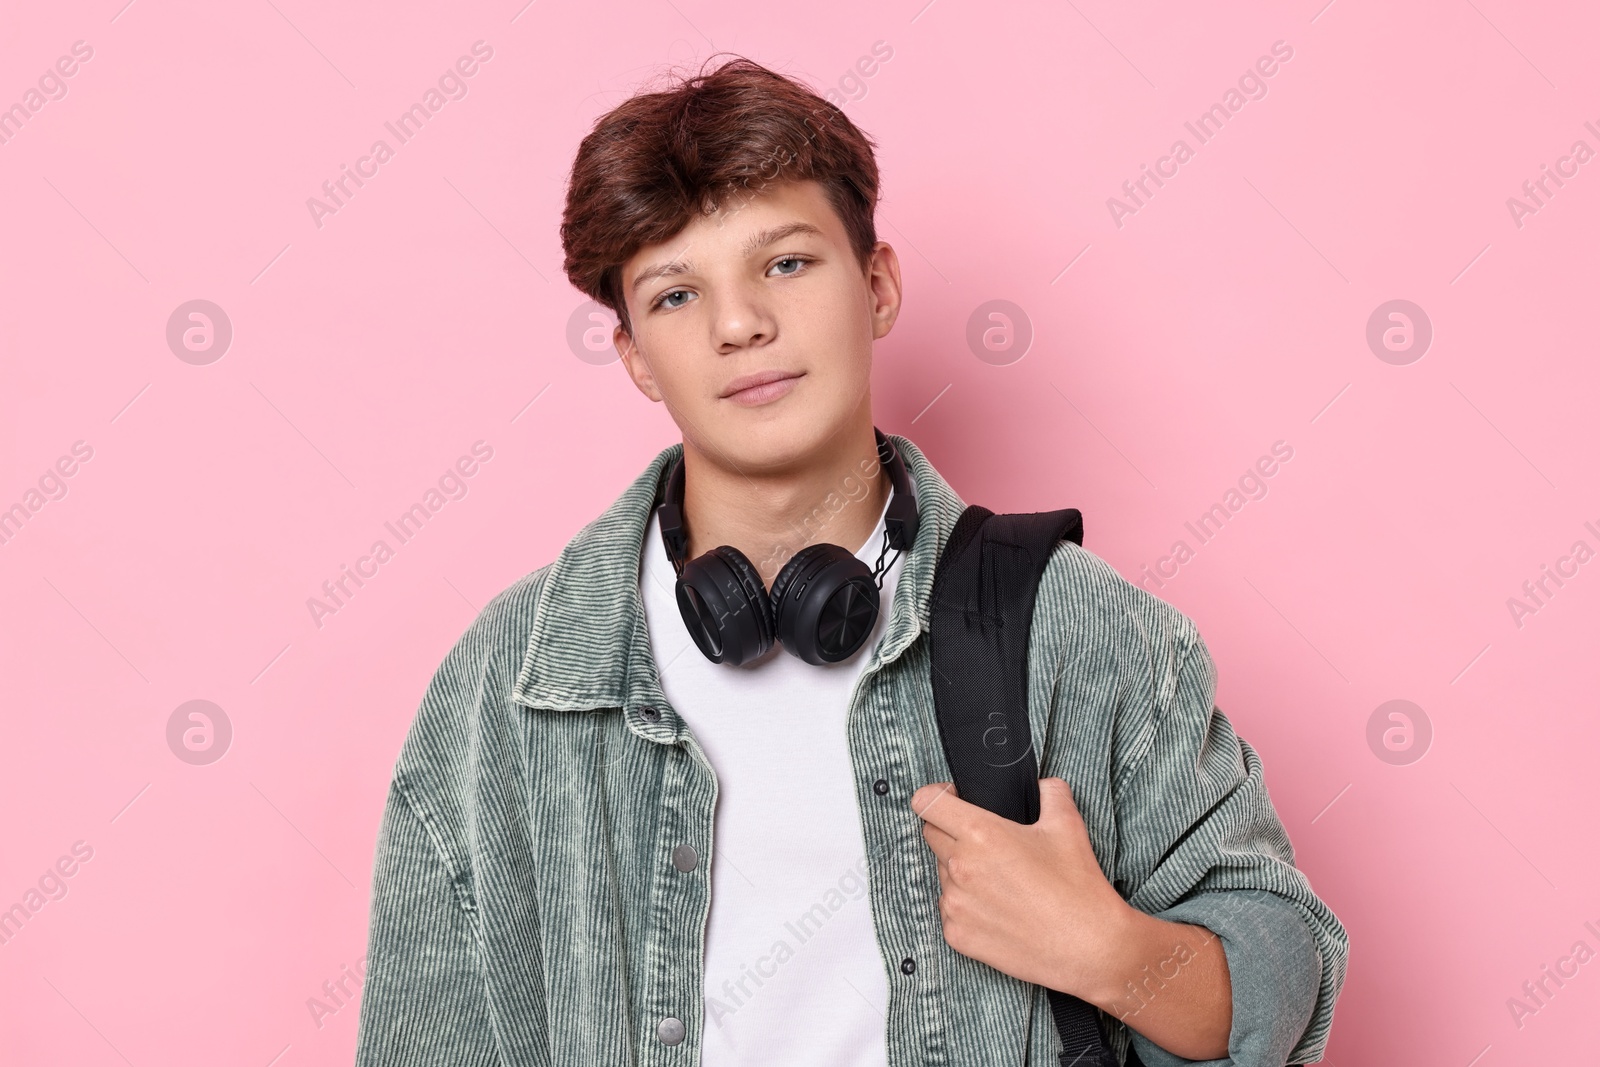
<point>902,519</point>
<point>670,514</point>
<point>900,523</point>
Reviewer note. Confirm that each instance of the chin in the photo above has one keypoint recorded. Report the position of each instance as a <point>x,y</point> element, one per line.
<point>769,439</point>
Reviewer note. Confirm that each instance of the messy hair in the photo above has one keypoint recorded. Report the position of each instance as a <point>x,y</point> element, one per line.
<point>654,161</point>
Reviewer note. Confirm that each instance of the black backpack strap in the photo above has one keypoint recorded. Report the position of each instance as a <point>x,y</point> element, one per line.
<point>981,615</point>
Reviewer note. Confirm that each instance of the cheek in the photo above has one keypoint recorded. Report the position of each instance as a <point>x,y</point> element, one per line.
<point>666,349</point>
<point>837,313</point>
<point>849,347</point>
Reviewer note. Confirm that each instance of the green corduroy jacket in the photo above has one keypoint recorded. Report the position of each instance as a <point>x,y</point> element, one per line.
<point>526,909</point>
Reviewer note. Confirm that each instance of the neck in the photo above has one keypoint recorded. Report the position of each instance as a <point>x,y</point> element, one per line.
<point>835,496</point>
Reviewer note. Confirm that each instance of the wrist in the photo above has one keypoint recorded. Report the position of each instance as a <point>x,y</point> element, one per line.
<point>1134,942</point>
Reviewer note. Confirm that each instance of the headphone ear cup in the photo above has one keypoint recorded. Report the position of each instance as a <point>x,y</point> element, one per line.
<point>725,607</point>
<point>824,604</point>
<point>786,574</point>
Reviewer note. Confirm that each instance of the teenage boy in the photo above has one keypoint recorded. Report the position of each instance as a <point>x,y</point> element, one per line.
<point>643,817</point>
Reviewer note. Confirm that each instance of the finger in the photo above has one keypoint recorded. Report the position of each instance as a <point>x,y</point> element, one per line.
<point>1055,801</point>
<point>928,795</point>
<point>940,842</point>
<point>937,803</point>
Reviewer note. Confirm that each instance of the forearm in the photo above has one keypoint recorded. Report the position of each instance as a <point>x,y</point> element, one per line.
<point>1170,982</point>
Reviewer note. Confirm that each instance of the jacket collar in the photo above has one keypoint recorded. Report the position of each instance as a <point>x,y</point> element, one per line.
<point>588,646</point>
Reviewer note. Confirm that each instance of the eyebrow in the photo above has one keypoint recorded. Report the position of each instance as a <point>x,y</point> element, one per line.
<point>755,241</point>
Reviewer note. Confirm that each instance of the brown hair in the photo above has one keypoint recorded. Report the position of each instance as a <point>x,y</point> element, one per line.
<point>658,158</point>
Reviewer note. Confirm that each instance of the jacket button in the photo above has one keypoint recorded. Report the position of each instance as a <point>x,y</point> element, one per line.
<point>650,713</point>
<point>880,787</point>
<point>908,965</point>
<point>685,858</point>
<point>670,1030</point>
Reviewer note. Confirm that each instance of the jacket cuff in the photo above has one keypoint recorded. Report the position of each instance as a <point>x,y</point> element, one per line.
<point>1273,966</point>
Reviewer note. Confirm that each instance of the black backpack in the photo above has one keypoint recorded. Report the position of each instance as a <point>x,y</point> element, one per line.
<point>982,610</point>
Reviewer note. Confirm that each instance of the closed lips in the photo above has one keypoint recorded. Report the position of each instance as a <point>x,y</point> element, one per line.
<point>751,381</point>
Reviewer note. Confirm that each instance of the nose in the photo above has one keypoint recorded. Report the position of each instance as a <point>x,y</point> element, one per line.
<point>742,320</point>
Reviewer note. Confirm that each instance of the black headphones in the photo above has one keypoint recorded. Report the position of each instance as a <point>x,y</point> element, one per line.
<point>824,601</point>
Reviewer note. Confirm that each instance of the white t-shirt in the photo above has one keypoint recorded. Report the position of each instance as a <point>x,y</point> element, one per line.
<point>793,975</point>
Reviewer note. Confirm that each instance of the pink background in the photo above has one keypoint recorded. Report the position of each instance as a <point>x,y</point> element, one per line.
<point>1227,313</point>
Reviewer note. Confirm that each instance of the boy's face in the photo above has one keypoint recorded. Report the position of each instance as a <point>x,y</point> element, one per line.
<point>767,283</point>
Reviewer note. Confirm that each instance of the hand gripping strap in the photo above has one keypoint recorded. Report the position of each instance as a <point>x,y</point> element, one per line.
<point>982,613</point>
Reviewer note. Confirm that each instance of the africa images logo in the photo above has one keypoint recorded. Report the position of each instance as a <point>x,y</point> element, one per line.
<point>451,85</point>
<point>1252,85</point>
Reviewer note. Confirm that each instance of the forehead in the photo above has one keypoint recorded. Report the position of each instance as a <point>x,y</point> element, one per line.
<point>741,215</point>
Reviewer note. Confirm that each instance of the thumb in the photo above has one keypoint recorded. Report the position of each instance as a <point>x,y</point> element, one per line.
<point>1056,803</point>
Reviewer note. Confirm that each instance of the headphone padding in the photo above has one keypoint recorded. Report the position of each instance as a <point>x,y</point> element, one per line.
<point>786,575</point>
<point>802,592</point>
<point>725,579</point>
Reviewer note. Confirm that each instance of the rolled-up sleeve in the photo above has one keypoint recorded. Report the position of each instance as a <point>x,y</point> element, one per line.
<point>1202,844</point>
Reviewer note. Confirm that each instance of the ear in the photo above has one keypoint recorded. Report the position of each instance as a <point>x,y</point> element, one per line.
<point>633,359</point>
<point>883,288</point>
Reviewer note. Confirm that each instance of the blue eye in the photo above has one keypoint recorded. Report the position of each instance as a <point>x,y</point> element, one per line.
<point>662,300</point>
<point>791,259</point>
